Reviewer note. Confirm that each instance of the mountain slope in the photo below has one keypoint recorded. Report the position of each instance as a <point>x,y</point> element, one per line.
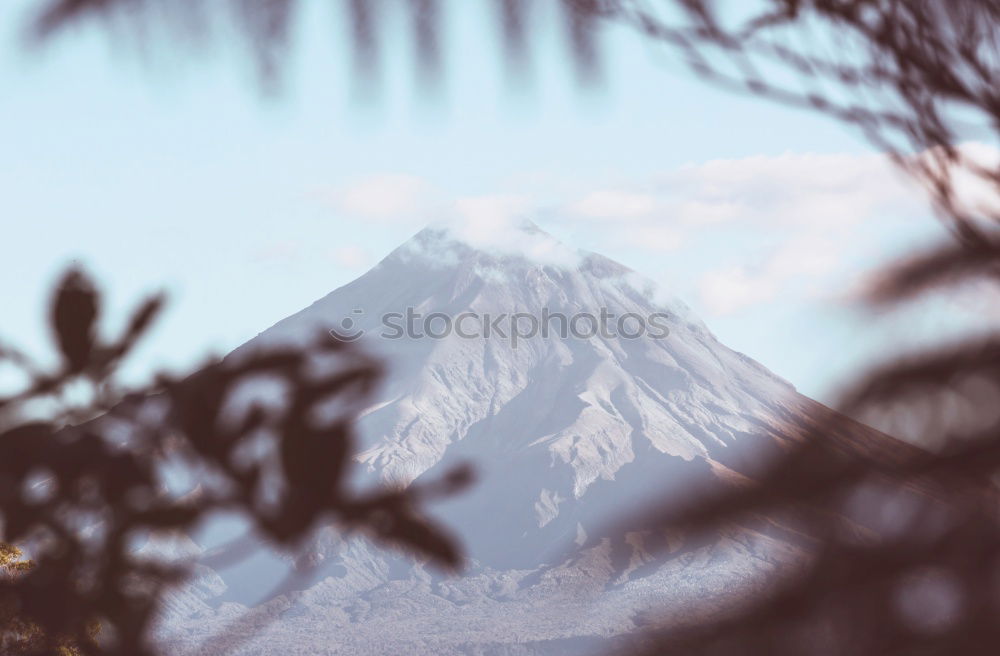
<point>567,434</point>
<point>550,423</point>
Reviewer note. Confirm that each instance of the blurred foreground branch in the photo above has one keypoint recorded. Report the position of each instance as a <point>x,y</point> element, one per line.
<point>89,472</point>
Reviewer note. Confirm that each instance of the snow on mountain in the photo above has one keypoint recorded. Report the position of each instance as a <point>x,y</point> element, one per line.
<point>548,419</point>
<point>567,434</point>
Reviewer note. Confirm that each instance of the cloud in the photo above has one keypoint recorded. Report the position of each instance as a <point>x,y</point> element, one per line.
<point>615,204</point>
<point>500,224</point>
<point>755,229</point>
<point>798,269</point>
<point>725,291</point>
<point>489,221</point>
<point>732,233</point>
<point>788,189</point>
<point>406,201</point>
<point>350,257</point>
<point>386,198</point>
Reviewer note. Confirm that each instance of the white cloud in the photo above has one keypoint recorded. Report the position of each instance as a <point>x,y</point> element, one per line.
<point>798,269</point>
<point>388,198</point>
<point>655,238</point>
<point>825,193</point>
<point>731,289</point>
<point>615,204</point>
<point>756,229</point>
<point>494,222</point>
<point>484,221</point>
<point>351,257</point>
<point>787,190</point>
<point>736,232</point>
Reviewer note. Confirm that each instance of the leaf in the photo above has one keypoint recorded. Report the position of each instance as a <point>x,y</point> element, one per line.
<point>945,265</point>
<point>141,319</point>
<point>923,372</point>
<point>73,317</point>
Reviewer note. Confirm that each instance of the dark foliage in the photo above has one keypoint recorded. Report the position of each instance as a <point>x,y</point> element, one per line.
<point>904,554</point>
<point>89,471</point>
<point>917,77</point>
<point>267,25</point>
<point>901,553</point>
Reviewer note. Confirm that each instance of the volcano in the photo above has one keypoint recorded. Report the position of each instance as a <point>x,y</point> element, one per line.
<point>570,429</point>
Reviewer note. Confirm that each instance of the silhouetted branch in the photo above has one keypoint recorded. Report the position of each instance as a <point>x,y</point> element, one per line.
<point>79,495</point>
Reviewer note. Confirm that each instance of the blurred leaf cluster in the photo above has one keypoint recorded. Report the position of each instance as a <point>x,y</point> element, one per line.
<point>904,547</point>
<point>89,472</point>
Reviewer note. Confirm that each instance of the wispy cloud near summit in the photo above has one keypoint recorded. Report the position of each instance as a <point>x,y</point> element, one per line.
<point>748,230</point>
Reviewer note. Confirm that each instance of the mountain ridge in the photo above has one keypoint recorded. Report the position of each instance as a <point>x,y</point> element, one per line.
<point>568,436</point>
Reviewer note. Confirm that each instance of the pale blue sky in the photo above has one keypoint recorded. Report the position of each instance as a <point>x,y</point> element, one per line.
<point>173,171</point>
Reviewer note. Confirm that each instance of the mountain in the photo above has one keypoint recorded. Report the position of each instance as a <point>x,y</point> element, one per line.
<point>568,434</point>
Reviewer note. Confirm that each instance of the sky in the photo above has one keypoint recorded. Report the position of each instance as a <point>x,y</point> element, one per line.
<point>168,167</point>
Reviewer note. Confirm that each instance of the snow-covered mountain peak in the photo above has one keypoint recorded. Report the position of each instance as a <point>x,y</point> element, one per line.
<point>556,413</point>
<point>441,270</point>
<point>523,244</point>
<point>568,433</point>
